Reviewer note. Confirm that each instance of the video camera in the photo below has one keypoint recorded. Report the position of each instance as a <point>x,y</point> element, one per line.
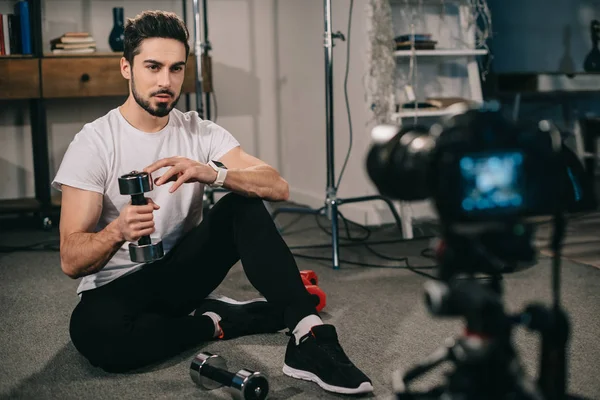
<point>491,180</point>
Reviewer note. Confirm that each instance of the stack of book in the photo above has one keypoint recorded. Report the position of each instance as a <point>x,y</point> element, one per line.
<point>73,43</point>
<point>15,31</point>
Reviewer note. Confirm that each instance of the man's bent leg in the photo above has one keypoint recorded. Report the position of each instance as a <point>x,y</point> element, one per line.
<point>237,227</point>
<point>266,258</point>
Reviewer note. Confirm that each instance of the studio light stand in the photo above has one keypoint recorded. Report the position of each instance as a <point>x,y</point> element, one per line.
<point>332,202</point>
<point>202,47</point>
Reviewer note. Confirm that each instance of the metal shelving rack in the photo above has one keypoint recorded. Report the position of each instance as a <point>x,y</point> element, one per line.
<point>469,55</point>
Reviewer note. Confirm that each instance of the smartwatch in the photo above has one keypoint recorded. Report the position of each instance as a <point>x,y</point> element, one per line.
<point>221,170</point>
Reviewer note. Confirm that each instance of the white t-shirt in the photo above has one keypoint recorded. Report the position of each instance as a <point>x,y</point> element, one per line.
<point>110,147</point>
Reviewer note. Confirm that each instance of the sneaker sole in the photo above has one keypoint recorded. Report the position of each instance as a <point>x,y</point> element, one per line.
<point>364,387</point>
<point>229,300</point>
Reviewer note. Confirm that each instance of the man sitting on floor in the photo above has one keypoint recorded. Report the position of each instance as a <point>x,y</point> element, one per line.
<point>133,314</point>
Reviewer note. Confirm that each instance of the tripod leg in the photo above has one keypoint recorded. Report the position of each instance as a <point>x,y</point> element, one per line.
<point>335,234</point>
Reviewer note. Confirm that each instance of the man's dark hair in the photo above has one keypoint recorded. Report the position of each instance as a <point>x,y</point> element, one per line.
<point>153,24</point>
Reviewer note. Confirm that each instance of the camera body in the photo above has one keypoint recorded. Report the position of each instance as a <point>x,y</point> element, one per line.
<point>478,167</point>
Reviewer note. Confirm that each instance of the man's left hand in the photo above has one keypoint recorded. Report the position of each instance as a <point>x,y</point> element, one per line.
<point>183,170</point>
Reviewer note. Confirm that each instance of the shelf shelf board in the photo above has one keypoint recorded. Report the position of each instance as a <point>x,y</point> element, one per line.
<point>422,113</point>
<point>49,54</point>
<point>16,56</point>
<point>441,52</point>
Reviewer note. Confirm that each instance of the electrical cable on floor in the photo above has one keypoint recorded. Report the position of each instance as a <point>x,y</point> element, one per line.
<point>355,244</point>
<point>362,241</point>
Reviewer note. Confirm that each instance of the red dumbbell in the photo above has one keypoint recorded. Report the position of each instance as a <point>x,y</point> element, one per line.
<point>309,278</point>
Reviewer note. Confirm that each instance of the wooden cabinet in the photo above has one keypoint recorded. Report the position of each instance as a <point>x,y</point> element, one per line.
<point>189,82</point>
<point>82,77</point>
<point>19,78</point>
<point>92,76</point>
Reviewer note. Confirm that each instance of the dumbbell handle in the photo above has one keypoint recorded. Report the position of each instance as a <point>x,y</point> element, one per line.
<point>217,374</point>
<point>139,199</point>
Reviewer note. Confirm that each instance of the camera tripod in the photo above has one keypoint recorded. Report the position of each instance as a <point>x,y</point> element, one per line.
<point>332,201</point>
<point>486,363</point>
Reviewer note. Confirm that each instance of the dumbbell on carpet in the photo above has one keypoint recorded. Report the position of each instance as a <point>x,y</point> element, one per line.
<point>209,371</point>
<point>136,184</point>
<point>310,280</point>
<point>310,276</point>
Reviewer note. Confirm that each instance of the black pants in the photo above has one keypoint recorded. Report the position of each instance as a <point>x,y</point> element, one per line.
<point>144,317</point>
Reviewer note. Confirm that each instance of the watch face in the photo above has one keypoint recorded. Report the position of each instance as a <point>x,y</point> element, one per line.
<point>219,164</point>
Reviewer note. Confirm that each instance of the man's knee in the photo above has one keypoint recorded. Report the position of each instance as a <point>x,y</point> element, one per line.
<point>239,203</point>
<point>96,338</point>
<point>242,200</point>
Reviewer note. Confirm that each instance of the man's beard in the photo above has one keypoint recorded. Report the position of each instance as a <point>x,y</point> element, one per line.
<point>162,109</point>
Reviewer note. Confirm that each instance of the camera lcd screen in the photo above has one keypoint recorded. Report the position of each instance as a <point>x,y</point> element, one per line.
<point>492,182</point>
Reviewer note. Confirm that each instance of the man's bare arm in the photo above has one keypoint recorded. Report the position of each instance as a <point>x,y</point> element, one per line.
<point>82,251</point>
<point>258,181</point>
<point>253,177</point>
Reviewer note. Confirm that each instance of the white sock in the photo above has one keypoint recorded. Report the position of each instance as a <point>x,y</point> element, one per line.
<point>305,325</point>
<point>216,318</point>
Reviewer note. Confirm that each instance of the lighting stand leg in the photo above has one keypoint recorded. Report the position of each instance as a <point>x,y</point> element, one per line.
<point>332,202</point>
<point>207,68</point>
<point>335,241</point>
<point>198,56</point>
<point>202,48</point>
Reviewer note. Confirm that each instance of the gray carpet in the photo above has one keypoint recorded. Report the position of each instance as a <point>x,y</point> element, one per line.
<point>582,241</point>
<point>379,313</point>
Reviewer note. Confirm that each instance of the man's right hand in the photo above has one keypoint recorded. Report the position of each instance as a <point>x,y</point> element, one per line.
<point>137,221</point>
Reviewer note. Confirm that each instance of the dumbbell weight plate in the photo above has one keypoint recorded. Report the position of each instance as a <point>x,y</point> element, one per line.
<point>135,183</point>
<point>147,252</point>
<point>249,385</point>
<point>201,360</point>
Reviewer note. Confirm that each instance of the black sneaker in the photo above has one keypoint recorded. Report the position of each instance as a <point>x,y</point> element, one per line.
<point>320,358</point>
<point>241,318</point>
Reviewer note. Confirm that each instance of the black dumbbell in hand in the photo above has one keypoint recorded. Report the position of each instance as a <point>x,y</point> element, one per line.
<point>136,184</point>
<point>209,371</point>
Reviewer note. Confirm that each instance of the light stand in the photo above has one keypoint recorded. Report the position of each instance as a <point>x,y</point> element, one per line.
<point>203,80</point>
<point>332,202</point>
